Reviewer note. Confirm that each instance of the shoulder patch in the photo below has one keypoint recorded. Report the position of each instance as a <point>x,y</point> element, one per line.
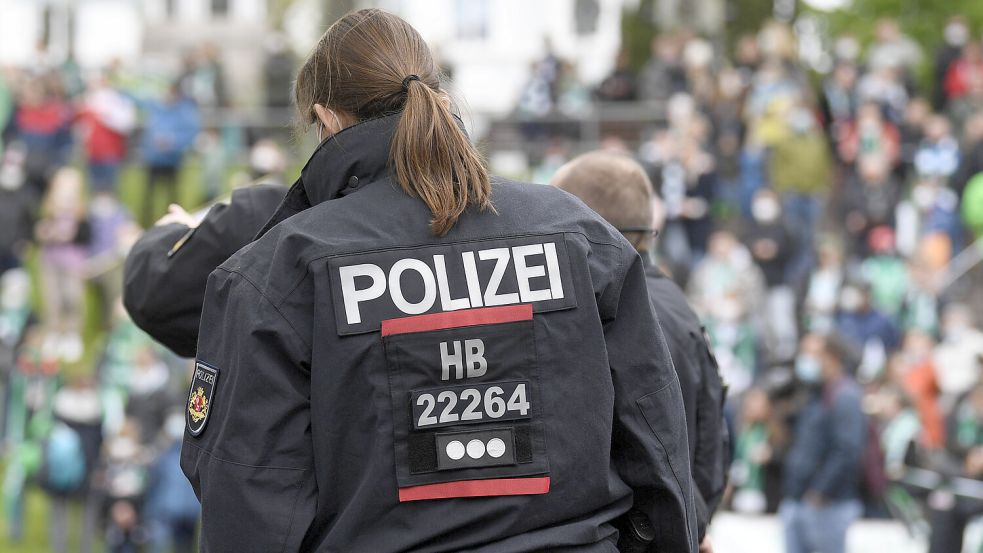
<point>200,397</point>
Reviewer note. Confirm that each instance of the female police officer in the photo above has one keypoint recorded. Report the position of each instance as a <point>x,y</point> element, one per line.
<point>415,358</point>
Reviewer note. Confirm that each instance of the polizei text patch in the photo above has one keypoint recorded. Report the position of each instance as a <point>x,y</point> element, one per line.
<point>376,286</point>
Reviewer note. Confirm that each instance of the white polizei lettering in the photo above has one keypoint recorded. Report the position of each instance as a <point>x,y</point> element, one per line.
<point>396,291</point>
<point>492,297</point>
<point>553,269</point>
<point>524,272</point>
<point>446,302</point>
<point>353,295</point>
<point>448,360</point>
<point>475,355</point>
<point>471,276</point>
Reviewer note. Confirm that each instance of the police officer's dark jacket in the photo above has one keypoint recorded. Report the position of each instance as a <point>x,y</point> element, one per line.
<point>702,388</point>
<point>166,270</point>
<point>364,386</point>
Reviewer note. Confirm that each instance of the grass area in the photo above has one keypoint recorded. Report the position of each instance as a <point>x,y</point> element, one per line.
<point>132,192</point>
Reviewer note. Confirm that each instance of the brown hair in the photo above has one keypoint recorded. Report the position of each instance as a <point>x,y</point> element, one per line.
<point>616,187</point>
<point>358,68</point>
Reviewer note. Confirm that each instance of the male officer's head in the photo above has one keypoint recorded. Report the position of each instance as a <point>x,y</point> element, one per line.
<point>617,188</point>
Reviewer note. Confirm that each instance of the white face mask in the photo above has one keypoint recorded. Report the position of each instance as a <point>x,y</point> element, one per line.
<point>956,35</point>
<point>851,300</point>
<point>808,369</point>
<point>765,210</point>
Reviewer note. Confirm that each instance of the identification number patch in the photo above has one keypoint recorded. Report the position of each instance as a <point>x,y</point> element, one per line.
<point>467,419</point>
<point>463,404</point>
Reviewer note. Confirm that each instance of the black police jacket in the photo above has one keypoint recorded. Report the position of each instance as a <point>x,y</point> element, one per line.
<point>364,386</point>
<point>166,270</point>
<point>702,389</point>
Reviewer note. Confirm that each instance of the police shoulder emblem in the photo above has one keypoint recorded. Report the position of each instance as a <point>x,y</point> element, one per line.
<point>200,397</point>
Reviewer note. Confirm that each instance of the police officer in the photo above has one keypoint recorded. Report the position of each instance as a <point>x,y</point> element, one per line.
<point>617,188</point>
<point>165,272</point>
<point>416,358</point>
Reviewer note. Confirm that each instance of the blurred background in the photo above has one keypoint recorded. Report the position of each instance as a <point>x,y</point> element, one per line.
<point>818,163</point>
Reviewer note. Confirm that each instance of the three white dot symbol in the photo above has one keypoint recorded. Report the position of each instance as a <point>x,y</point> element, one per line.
<point>475,449</point>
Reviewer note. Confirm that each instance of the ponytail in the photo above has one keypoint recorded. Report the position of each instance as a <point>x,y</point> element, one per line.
<point>371,63</point>
<point>433,159</point>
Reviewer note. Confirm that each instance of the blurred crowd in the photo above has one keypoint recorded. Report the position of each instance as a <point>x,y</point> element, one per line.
<point>814,220</point>
<point>91,408</point>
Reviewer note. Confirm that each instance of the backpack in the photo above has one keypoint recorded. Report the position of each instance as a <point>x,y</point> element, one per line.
<point>63,468</point>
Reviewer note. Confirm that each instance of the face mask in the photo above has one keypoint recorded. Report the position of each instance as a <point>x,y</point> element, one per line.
<point>956,35</point>
<point>765,210</point>
<point>851,300</point>
<point>807,368</point>
<point>923,196</point>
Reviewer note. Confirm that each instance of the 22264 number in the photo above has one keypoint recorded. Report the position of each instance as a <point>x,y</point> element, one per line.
<point>469,404</point>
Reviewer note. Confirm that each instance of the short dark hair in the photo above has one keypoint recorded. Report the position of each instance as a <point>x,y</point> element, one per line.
<point>843,349</point>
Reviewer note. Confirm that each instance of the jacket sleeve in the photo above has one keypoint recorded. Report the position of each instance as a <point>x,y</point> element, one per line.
<point>711,460</point>
<point>166,270</point>
<point>650,449</point>
<point>846,450</point>
<point>251,464</point>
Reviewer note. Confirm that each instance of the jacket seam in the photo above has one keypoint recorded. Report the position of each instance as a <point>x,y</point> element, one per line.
<point>269,300</point>
<point>247,465</point>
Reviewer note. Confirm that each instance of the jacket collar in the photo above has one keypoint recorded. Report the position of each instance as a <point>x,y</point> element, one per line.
<point>351,158</point>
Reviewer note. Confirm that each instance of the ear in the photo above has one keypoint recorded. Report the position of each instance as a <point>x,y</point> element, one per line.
<point>329,119</point>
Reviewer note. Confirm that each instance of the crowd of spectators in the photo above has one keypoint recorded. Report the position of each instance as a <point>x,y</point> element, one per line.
<point>91,409</point>
<point>812,219</point>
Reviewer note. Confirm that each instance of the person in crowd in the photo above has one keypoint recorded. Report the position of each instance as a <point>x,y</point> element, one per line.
<point>964,75</point>
<point>913,371</point>
<point>761,440</point>
<point>170,507</point>
<point>900,428</point>
<point>42,122</point>
<point>885,271</point>
<point>170,127</point>
<point>870,139</point>
<point>107,117</point>
<point>112,232</point>
<point>892,48</point>
<point>203,78</point>
<point>772,246</point>
<point>823,290</point>
<point>869,201</point>
<point>868,329</point>
<point>953,509</point>
<point>839,100</point>
<point>71,452</point>
<point>408,160</point>
<point>125,478</point>
<point>912,132</point>
<point>663,75</point>
<point>955,35</point>
<point>938,154</point>
<point>63,233</point>
<point>823,464</point>
<point>800,173</point>
<point>723,289</point>
<point>620,85</point>
<point>971,155</point>
<point>18,204</point>
<point>958,357</point>
<point>618,189</point>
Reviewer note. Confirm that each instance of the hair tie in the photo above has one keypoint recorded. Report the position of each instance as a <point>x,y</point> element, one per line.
<point>406,81</point>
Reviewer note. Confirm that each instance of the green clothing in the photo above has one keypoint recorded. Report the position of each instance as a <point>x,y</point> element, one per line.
<point>972,205</point>
<point>888,278</point>
<point>800,163</point>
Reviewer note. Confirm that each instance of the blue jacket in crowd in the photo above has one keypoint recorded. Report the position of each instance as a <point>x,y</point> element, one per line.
<point>170,128</point>
<point>827,452</point>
